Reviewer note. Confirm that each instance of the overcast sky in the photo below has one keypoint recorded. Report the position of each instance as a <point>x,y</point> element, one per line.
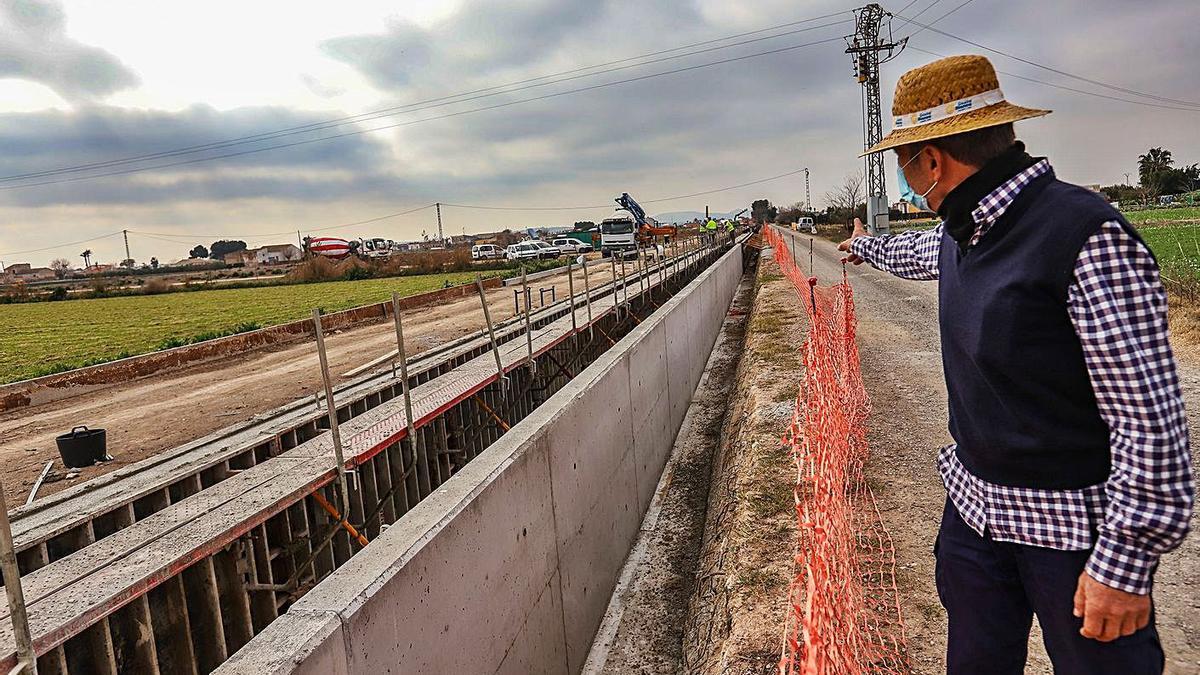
<point>85,82</point>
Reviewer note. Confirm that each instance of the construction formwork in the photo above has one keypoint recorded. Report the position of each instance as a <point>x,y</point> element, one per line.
<point>173,564</point>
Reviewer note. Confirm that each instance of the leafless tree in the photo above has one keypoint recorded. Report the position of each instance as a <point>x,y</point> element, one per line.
<point>61,267</point>
<point>847,196</point>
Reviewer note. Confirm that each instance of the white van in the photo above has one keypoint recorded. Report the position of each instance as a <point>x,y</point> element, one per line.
<point>522,251</point>
<point>805,221</point>
<point>486,251</point>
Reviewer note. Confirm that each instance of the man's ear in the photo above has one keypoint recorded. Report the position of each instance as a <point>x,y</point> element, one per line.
<point>937,162</point>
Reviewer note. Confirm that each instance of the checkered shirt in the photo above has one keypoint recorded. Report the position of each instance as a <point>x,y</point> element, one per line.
<point>1118,308</point>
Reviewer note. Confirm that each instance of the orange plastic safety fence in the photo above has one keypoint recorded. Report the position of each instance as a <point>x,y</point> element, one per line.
<point>844,612</point>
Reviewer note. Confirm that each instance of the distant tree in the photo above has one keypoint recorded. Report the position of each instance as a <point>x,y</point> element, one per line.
<point>87,258</point>
<point>198,252</point>
<point>792,213</point>
<point>221,247</point>
<point>584,225</point>
<point>506,237</point>
<point>60,266</point>
<point>128,263</point>
<point>845,200</point>
<point>154,263</point>
<point>761,211</point>
<point>1154,170</point>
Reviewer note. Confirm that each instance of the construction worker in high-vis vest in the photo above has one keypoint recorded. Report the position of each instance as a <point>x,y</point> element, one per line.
<point>710,229</point>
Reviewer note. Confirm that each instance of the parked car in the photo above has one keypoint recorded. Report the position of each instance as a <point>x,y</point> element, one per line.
<point>545,250</point>
<point>524,250</point>
<point>570,246</point>
<point>486,251</point>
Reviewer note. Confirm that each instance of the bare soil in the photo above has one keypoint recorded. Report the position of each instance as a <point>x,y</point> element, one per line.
<point>737,613</point>
<point>149,415</point>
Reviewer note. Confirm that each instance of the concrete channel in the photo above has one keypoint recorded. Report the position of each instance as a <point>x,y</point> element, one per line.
<point>176,563</point>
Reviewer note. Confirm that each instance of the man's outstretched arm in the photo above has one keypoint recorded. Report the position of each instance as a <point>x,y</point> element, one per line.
<point>908,255</point>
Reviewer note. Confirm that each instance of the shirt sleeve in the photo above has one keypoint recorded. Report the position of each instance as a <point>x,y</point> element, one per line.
<point>909,255</point>
<point>1119,310</point>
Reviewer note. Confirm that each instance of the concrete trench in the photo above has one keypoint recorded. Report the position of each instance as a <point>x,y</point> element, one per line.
<point>272,569</point>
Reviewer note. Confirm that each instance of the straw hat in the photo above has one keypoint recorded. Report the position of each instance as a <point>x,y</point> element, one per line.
<point>949,96</point>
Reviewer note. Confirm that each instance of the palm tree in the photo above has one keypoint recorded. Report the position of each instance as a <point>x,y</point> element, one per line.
<point>1155,161</point>
<point>87,258</point>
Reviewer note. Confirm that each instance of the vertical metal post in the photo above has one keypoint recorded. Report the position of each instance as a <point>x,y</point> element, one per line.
<point>487,317</point>
<point>810,257</point>
<point>528,323</point>
<point>331,411</point>
<point>625,284</point>
<point>26,658</point>
<point>571,292</point>
<point>587,299</point>
<point>616,298</point>
<point>403,359</point>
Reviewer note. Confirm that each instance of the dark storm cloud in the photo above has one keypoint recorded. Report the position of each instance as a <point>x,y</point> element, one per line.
<point>47,140</point>
<point>34,46</point>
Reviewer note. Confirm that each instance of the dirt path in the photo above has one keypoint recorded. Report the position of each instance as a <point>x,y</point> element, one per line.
<point>149,415</point>
<point>901,363</point>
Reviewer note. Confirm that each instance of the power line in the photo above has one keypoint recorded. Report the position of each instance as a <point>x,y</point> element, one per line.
<point>57,246</point>
<point>1066,88</point>
<point>908,21</point>
<point>1058,71</point>
<point>506,104</point>
<point>451,99</point>
<point>918,31</point>
<point>606,206</point>
<point>288,232</point>
<point>181,239</point>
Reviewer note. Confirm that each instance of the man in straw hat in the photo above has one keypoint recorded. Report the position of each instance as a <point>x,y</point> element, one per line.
<point>1070,474</point>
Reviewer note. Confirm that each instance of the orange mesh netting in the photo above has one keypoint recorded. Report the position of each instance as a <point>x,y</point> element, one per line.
<point>844,614</point>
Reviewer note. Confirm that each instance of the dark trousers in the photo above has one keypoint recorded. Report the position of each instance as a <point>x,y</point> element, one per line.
<point>991,590</point>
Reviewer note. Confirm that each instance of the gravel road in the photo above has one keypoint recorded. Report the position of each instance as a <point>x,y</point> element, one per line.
<point>901,362</point>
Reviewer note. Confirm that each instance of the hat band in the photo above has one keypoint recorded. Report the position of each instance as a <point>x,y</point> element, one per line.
<point>941,112</point>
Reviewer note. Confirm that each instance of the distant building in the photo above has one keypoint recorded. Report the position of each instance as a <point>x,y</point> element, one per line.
<point>277,253</point>
<point>188,262</point>
<point>26,272</point>
<point>907,209</point>
<point>242,257</point>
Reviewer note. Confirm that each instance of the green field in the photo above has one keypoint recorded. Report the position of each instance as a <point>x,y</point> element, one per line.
<point>1163,215</point>
<point>46,337</point>
<point>1177,247</point>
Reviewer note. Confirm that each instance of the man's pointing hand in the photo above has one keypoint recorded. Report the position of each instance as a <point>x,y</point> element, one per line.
<point>859,231</point>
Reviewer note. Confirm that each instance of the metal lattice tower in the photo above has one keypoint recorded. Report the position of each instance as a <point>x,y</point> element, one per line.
<point>807,195</point>
<point>865,47</point>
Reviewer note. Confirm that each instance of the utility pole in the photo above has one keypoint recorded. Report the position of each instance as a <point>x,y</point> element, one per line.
<point>441,239</point>
<point>807,196</point>
<point>127,256</point>
<point>865,47</point>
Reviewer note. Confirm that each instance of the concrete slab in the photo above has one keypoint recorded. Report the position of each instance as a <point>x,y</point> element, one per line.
<point>593,474</point>
<point>306,644</point>
<point>652,425</point>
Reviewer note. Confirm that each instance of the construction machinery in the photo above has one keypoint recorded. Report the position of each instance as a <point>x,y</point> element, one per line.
<point>647,228</point>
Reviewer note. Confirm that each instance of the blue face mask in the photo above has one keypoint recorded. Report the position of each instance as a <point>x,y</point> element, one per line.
<point>906,191</point>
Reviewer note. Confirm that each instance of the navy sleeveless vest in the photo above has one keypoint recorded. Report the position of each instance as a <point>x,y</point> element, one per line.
<point>1022,408</point>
